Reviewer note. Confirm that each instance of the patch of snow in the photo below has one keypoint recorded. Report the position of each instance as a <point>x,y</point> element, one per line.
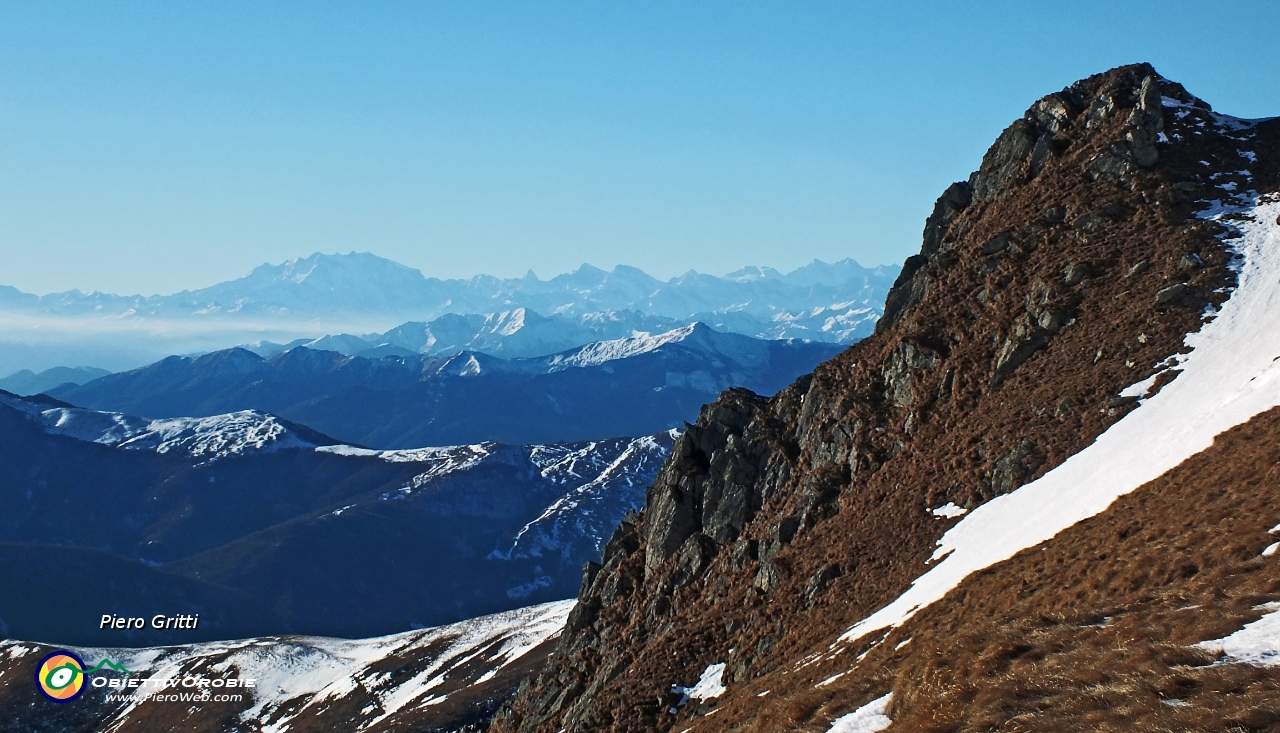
<point>1229,376</point>
<point>348,450</point>
<point>1257,643</point>
<point>869,718</point>
<point>17,650</point>
<point>710,685</point>
<point>831,679</point>
<point>949,510</point>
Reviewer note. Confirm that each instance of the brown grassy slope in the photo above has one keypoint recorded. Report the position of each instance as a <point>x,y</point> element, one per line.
<point>779,523</point>
<point>1094,629</point>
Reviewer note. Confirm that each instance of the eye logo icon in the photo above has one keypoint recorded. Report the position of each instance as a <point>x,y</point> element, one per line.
<point>61,676</point>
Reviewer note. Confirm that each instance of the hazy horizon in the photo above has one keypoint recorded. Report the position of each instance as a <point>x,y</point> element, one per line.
<point>541,276</point>
<point>157,148</point>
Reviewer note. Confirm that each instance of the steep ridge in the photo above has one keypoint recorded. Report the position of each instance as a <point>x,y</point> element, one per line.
<point>1050,301</point>
<point>639,385</point>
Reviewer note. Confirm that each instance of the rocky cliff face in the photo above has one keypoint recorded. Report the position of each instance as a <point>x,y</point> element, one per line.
<point>1070,266</point>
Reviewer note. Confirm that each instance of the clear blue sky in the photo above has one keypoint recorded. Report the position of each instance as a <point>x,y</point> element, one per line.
<point>151,147</point>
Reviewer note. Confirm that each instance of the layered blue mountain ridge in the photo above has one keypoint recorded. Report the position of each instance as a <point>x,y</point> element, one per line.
<point>396,307</point>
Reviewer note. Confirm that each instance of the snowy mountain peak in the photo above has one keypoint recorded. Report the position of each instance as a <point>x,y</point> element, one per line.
<point>209,438</point>
<point>603,351</point>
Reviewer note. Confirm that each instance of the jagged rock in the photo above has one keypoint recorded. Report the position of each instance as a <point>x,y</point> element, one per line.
<point>820,581</point>
<point>1172,293</point>
<point>589,572</point>
<point>954,200</point>
<point>1011,470</point>
<point>1045,314</point>
<point>1074,274</point>
<point>1138,269</point>
<point>623,541</point>
<point>1055,112</point>
<point>909,289</point>
<point>744,551</point>
<point>1100,109</point>
<point>703,487</point>
<point>672,519</point>
<point>692,559</point>
<point>1146,122</point>
<point>616,586</point>
<point>580,617</point>
<point>767,577</point>
<point>1116,162</point>
<point>1005,162</point>
<point>727,501</point>
<point>906,359</point>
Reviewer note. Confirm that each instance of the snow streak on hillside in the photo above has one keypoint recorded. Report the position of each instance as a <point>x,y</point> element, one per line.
<point>589,510</point>
<point>1231,375</point>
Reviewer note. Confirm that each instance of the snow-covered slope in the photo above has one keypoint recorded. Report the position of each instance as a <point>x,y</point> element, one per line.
<point>208,438</point>
<point>602,351</point>
<point>597,496</point>
<point>414,680</point>
<point>1231,374</point>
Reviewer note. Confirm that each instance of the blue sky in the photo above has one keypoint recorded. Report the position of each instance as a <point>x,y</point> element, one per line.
<point>152,147</point>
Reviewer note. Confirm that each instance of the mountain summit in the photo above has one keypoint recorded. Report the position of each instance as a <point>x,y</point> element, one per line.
<point>1040,497</point>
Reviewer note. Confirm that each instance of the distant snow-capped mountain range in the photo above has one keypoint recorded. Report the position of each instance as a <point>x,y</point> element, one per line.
<point>523,333</point>
<point>305,299</point>
<point>326,286</point>
<point>265,526</point>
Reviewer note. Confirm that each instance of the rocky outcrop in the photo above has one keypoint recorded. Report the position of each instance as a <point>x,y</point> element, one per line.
<point>777,523</point>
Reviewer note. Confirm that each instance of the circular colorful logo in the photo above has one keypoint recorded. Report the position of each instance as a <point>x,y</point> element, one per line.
<point>60,676</point>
